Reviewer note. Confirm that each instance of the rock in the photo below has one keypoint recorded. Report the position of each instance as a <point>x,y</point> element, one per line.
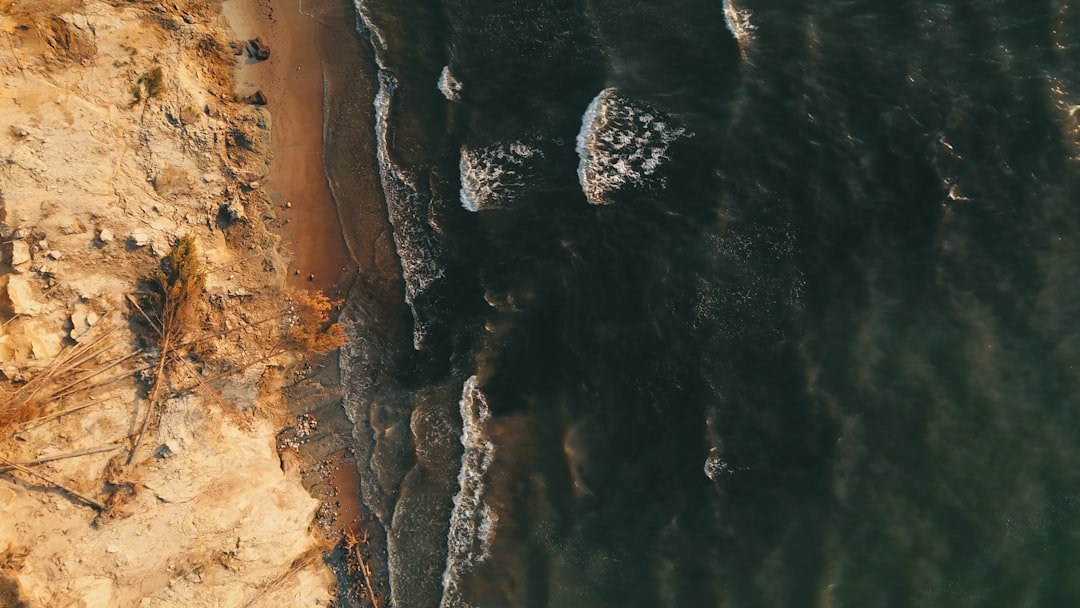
<point>254,185</point>
<point>256,99</point>
<point>167,449</point>
<point>55,255</point>
<point>18,297</point>
<point>44,343</point>
<point>106,236</point>
<point>74,227</point>
<point>288,204</point>
<point>233,210</point>
<point>82,319</point>
<point>139,237</point>
<point>20,255</point>
<point>19,131</point>
<point>257,50</point>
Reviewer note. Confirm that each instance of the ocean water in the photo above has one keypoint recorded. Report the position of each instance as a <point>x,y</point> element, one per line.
<point>736,304</point>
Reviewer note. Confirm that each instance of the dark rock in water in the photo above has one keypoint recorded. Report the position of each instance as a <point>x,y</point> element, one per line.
<point>257,50</point>
<point>256,99</point>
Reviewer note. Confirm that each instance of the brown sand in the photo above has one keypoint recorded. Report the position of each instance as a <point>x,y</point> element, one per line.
<point>292,81</point>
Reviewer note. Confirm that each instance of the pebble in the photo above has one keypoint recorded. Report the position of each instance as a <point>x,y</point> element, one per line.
<point>106,236</point>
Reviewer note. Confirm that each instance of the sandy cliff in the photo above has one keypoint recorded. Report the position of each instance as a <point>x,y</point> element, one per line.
<point>120,133</point>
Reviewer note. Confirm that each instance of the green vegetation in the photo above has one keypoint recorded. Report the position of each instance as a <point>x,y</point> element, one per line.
<point>174,289</point>
<point>148,86</point>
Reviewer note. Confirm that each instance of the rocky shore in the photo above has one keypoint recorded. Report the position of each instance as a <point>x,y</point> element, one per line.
<point>124,132</point>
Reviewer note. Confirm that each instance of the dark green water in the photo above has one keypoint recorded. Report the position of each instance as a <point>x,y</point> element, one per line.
<point>782,318</point>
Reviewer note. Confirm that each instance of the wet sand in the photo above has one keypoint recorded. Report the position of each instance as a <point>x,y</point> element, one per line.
<point>324,163</point>
<point>292,80</point>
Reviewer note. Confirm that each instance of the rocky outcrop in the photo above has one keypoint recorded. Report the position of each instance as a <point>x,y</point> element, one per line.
<point>125,135</point>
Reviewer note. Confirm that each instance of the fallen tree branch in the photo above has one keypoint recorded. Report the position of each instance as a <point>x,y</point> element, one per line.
<point>64,456</point>
<point>40,421</point>
<point>60,393</point>
<point>82,497</point>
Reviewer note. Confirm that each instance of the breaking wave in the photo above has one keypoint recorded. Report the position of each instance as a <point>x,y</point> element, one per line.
<point>406,202</point>
<point>621,143</point>
<point>491,175</point>
<point>738,23</point>
<point>448,85</point>
<point>472,522</point>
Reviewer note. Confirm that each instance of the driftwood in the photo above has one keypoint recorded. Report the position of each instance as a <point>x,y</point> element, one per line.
<point>354,547</point>
<point>81,497</point>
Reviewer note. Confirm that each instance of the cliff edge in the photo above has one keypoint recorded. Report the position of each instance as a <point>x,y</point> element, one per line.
<point>132,473</point>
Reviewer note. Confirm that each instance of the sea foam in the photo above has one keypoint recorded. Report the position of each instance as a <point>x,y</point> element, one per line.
<point>406,201</point>
<point>621,143</point>
<point>738,23</point>
<point>448,85</point>
<point>491,175</point>
<point>472,522</point>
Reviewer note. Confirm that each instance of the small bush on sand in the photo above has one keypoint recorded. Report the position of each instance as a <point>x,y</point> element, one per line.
<point>310,330</point>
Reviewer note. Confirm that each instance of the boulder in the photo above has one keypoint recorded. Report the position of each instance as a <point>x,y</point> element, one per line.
<point>139,237</point>
<point>20,255</point>
<point>18,296</point>
<point>256,99</point>
<point>257,50</point>
<point>233,210</point>
<point>82,319</point>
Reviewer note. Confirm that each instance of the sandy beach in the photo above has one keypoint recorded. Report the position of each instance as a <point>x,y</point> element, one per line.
<point>292,80</point>
<point>165,445</point>
<point>320,145</point>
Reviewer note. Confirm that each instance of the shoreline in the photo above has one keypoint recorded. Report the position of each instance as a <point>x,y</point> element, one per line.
<point>296,184</point>
<point>304,77</point>
<point>128,139</point>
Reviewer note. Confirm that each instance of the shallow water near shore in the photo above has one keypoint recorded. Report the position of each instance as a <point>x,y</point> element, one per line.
<point>716,304</point>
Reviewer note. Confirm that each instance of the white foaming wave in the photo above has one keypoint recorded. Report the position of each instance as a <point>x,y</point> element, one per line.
<point>738,23</point>
<point>366,23</point>
<point>490,175</point>
<point>621,143</point>
<point>472,522</point>
<point>415,245</point>
<point>448,85</point>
